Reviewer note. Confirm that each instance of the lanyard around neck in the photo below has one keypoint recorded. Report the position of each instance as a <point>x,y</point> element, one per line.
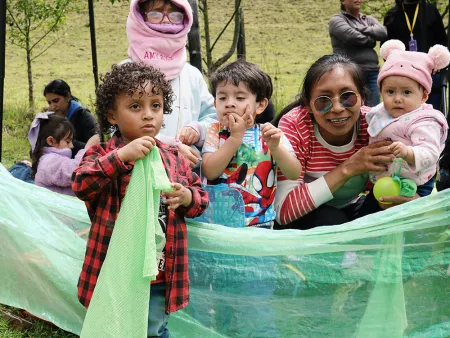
<point>414,21</point>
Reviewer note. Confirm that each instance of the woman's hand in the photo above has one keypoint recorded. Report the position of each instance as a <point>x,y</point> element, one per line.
<point>395,200</point>
<point>191,155</point>
<point>374,157</point>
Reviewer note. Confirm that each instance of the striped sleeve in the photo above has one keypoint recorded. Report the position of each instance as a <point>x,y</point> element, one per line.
<point>295,199</point>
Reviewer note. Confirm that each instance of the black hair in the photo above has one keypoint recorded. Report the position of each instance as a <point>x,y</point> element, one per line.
<point>323,65</point>
<point>59,87</point>
<point>129,78</point>
<point>56,126</point>
<point>399,3</point>
<point>257,81</point>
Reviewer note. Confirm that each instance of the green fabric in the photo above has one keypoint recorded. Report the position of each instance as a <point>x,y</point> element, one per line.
<point>249,282</point>
<point>387,302</point>
<point>119,306</point>
<point>408,187</point>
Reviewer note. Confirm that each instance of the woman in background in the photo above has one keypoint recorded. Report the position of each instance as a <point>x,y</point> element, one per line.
<point>355,35</point>
<point>60,100</point>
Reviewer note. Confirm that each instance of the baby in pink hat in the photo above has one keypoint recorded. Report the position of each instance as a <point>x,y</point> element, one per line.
<point>417,130</point>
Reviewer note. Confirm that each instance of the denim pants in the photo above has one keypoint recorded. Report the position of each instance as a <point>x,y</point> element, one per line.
<point>373,97</point>
<point>157,318</point>
<point>22,172</point>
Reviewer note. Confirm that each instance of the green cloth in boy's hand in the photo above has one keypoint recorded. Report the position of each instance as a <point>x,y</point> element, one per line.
<point>119,305</point>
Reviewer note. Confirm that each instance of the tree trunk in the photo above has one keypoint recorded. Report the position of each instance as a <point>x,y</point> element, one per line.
<point>30,80</point>
<point>209,61</point>
<point>195,54</point>
<point>227,55</point>
<point>241,50</point>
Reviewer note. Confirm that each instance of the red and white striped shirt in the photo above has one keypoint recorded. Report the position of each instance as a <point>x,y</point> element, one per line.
<point>295,199</point>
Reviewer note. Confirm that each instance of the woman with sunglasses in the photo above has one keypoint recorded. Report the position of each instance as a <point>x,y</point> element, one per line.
<point>157,33</point>
<point>328,131</point>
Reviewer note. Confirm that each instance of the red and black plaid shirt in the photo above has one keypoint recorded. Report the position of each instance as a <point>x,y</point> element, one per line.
<point>101,181</point>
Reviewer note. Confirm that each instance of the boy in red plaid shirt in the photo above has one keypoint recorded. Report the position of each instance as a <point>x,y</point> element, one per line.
<point>132,98</point>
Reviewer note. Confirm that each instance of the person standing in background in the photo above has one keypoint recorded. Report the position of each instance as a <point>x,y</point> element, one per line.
<point>355,35</point>
<point>418,24</point>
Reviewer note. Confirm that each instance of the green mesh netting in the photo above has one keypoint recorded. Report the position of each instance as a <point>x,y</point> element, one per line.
<point>385,275</point>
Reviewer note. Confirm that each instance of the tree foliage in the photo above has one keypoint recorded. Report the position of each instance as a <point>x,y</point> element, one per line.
<point>33,25</point>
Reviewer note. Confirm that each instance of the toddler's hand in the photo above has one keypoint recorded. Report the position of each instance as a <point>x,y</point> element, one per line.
<point>95,139</point>
<point>189,136</point>
<point>271,135</point>
<point>237,125</point>
<point>137,148</point>
<point>399,149</point>
<point>180,195</point>
<point>190,154</point>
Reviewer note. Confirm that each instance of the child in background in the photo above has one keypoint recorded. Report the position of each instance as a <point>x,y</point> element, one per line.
<point>417,130</point>
<point>133,98</point>
<point>157,32</point>
<point>51,139</point>
<point>240,152</point>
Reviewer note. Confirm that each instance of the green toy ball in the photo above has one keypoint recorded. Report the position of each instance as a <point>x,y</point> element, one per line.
<point>386,186</point>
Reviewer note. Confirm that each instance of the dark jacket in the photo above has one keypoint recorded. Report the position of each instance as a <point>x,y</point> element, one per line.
<point>428,31</point>
<point>356,38</point>
<point>85,127</point>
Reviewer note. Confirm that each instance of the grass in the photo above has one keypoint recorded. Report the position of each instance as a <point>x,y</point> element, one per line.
<point>284,40</point>
<point>284,37</point>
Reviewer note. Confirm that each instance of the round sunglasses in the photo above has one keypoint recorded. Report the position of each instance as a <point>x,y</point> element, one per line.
<point>323,104</point>
<point>158,17</point>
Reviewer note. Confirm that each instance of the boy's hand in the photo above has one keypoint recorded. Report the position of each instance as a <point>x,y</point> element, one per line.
<point>189,136</point>
<point>239,124</point>
<point>180,195</point>
<point>137,148</point>
<point>399,149</point>
<point>271,135</point>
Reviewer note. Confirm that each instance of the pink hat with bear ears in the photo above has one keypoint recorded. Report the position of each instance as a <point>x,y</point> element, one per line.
<point>414,65</point>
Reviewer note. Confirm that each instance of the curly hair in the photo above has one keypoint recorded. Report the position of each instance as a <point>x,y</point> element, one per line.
<point>129,78</point>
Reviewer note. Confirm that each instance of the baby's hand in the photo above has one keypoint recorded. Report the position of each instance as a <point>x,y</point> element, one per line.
<point>399,149</point>
<point>180,195</point>
<point>189,136</point>
<point>137,148</point>
<point>271,135</point>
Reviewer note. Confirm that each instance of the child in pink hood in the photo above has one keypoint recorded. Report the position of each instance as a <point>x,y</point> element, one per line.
<point>417,130</point>
<point>157,33</point>
<point>51,137</point>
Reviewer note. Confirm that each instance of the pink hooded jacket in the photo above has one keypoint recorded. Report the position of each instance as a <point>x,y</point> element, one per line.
<point>166,52</point>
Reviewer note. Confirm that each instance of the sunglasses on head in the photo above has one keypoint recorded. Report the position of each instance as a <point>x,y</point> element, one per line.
<point>323,104</point>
